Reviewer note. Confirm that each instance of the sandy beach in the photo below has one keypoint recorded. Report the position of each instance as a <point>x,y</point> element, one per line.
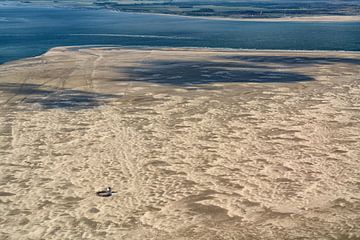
<point>198,144</point>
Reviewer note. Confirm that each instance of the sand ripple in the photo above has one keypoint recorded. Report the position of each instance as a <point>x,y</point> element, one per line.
<point>239,156</point>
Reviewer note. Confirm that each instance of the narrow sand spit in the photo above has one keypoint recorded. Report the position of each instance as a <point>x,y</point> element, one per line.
<point>198,144</point>
<point>321,18</point>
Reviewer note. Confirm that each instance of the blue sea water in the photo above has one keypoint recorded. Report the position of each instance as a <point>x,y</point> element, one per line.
<point>29,31</point>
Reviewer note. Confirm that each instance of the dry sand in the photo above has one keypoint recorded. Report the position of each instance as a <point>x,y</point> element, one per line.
<point>199,144</point>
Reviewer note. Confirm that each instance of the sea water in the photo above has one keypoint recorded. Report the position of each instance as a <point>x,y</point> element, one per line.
<point>27,31</point>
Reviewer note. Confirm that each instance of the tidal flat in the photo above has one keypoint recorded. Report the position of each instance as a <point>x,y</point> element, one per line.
<point>197,143</point>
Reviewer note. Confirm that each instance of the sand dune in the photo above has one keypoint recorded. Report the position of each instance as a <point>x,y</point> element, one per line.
<point>199,144</point>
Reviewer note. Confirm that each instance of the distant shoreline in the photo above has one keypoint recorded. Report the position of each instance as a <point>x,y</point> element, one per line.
<point>294,19</point>
<point>325,18</point>
<point>316,18</point>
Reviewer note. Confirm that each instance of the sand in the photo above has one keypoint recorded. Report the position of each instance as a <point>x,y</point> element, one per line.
<point>329,18</point>
<point>199,144</point>
<point>319,18</point>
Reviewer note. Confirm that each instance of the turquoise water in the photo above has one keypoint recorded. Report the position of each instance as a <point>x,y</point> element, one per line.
<point>30,31</point>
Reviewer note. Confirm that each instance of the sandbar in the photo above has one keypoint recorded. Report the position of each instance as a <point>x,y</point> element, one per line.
<point>197,143</point>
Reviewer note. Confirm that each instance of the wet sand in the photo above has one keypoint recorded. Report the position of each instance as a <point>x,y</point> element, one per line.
<point>199,144</point>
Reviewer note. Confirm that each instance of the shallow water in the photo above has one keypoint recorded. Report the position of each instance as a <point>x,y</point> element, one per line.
<point>30,31</point>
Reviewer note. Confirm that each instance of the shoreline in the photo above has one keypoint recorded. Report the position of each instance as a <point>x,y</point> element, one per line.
<point>166,48</point>
<point>210,49</point>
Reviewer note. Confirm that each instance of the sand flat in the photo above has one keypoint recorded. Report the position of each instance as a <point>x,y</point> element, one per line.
<point>199,144</point>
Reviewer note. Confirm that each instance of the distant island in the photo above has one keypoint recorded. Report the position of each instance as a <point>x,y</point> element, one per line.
<point>240,9</point>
